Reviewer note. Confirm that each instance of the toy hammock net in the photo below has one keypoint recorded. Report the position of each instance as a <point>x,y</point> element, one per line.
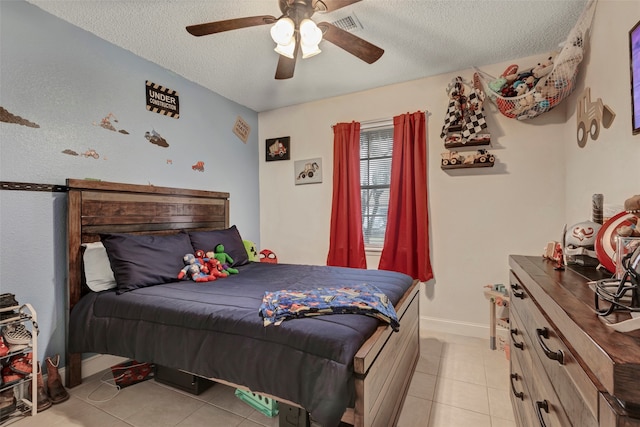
<point>529,93</point>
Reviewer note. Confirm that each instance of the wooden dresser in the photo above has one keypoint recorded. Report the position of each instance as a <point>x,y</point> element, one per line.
<point>567,367</point>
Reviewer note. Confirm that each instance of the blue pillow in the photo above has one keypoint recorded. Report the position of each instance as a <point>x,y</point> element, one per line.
<point>230,238</point>
<point>139,260</point>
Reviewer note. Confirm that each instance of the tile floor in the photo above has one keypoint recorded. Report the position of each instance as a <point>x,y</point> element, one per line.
<point>458,381</point>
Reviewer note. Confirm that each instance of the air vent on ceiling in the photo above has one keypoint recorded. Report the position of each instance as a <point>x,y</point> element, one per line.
<point>348,23</point>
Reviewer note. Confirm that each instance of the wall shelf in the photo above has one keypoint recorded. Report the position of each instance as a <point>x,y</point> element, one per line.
<point>469,165</point>
<point>469,143</point>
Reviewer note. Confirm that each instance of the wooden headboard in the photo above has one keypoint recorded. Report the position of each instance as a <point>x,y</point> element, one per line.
<point>96,207</point>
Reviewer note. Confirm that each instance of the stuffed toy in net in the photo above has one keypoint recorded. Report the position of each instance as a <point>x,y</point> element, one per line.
<point>527,93</point>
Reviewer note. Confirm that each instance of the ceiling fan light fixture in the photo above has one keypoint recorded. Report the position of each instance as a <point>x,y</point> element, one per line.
<point>286,49</point>
<point>310,37</point>
<point>309,32</point>
<point>283,30</point>
<point>296,34</point>
<point>308,50</point>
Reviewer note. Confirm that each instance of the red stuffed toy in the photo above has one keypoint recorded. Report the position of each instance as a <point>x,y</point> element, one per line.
<point>267,255</point>
<point>200,257</point>
<point>215,267</point>
<point>193,270</point>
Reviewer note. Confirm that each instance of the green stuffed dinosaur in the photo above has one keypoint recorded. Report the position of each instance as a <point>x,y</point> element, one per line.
<point>224,259</point>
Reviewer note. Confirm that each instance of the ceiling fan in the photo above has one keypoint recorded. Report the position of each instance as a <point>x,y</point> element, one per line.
<point>294,31</point>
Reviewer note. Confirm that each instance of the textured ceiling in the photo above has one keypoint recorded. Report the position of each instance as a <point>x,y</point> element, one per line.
<point>421,38</point>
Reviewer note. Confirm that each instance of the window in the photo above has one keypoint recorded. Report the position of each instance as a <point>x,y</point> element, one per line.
<point>376,144</point>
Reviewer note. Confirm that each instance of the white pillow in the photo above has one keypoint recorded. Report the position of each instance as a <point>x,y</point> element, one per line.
<point>97,269</point>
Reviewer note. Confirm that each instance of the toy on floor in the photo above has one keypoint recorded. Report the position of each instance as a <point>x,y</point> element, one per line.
<point>498,297</point>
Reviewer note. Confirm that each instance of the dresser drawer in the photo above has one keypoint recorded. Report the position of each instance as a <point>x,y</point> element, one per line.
<point>611,359</point>
<point>597,383</point>
<point>541,405</point>
<point>575,392</point>
<point>520,396</point>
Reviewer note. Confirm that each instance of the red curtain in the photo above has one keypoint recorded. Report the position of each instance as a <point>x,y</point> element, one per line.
<point>406,240</point>
<point>346,244</point>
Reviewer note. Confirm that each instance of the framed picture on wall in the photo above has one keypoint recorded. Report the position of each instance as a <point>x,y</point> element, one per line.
<point>308,171</point>
<point>278,149</point>
<point>634,51</point>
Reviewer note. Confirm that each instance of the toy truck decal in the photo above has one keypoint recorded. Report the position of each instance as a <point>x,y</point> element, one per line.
<point>590,115</point>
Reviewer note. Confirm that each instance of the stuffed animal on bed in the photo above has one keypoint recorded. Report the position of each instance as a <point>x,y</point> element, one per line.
<point>200,258</point>
<point>224,259</point>
<point>193,270</point>
<point>252,252</point>
<point>214,266</point>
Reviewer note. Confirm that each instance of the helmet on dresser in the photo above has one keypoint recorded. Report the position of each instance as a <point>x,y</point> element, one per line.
<point>579,243</point>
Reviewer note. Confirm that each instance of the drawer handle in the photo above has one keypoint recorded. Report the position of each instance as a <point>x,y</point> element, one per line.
<point>540,406</point>
<point>520,345</point>
<point>518,394</point>
<point>515,292</point>
<point>553,355</point>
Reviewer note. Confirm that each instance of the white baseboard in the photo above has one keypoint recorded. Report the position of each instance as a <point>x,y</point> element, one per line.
<point>467,329</point>
<point>98,363</point>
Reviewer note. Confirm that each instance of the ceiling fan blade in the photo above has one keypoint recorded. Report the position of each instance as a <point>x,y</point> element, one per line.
<point>356,46</point>
<point>331,5</point>
<point>286,66</point>
<point>229,24</point>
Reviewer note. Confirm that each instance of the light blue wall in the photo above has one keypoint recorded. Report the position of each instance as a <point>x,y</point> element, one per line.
<point>65,79</point>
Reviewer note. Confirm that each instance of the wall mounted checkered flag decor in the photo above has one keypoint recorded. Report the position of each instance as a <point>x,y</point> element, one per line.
<point>464,113</point>
<point>464,126</point>
<point>474,121</point>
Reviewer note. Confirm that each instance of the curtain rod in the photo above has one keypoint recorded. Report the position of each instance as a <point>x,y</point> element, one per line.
<point>376,121</point>
<point>384,121</point>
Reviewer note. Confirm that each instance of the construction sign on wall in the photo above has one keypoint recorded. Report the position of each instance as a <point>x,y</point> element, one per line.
<point>242,129</point>
<point>162,100</point>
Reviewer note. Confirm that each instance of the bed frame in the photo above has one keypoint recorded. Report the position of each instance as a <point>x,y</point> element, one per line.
<point>383,365</point>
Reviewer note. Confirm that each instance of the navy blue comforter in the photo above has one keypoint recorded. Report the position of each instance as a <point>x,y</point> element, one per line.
<point>213,329</point>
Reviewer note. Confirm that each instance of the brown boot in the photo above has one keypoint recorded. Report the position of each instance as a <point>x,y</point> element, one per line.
<point>56,390</point>
<point>43,399</point>
<point>7,404</point>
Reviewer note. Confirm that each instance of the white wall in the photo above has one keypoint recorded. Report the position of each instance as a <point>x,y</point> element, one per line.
<point>611,164</point>
<point>478,216</point>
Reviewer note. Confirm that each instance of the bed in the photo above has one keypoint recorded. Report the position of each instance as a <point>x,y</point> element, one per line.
<point>339,367</point>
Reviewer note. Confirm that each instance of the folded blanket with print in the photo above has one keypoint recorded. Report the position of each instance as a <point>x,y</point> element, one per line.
<point>363,299</point>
